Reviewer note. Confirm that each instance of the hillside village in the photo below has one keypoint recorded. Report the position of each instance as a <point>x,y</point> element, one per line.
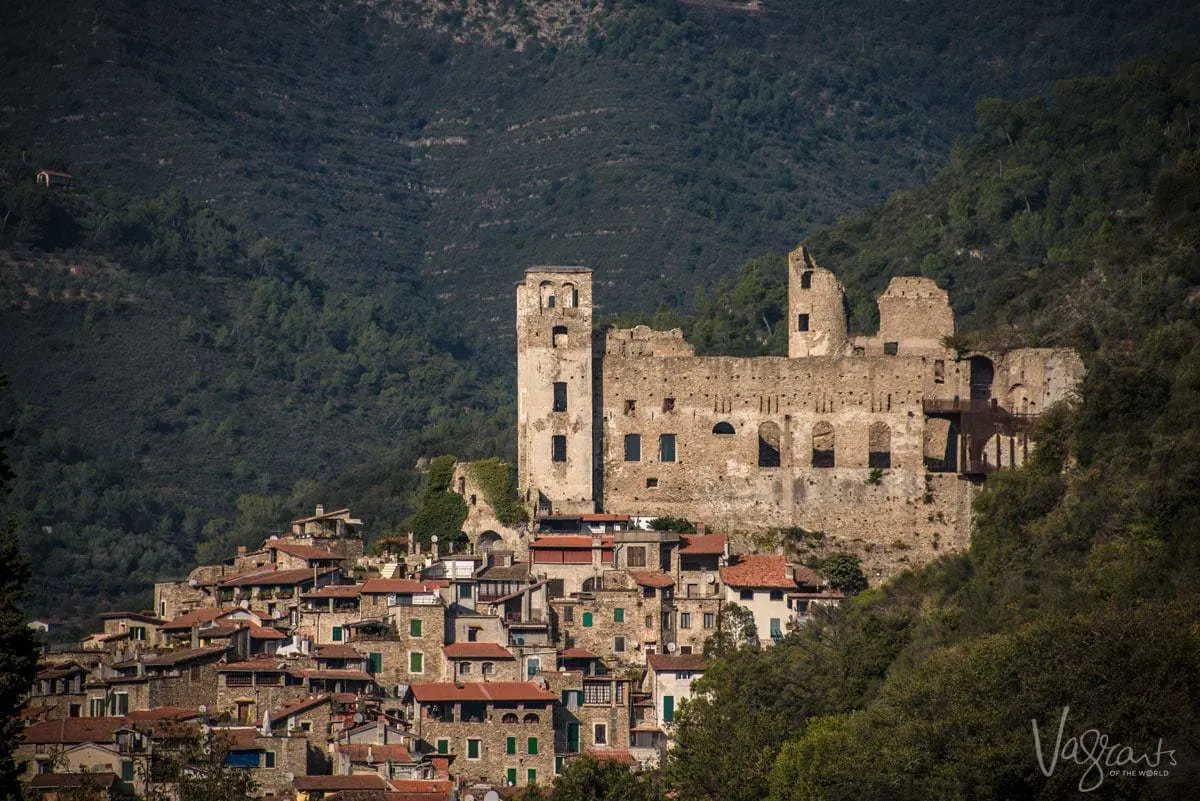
<point>422,673</point>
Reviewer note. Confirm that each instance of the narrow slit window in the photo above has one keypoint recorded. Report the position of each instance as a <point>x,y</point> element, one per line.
<point>560,396</point>
<point>806,279</point>
<point>802,322</point>
<point>558,448</point>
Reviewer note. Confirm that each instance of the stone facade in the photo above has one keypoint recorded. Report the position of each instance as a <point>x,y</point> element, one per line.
<point>879,442</point>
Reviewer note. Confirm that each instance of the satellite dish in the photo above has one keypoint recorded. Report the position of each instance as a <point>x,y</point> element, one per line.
<point>434,538</point>
<point>358,718</point>
<point>244,604</point>
<point>492,795</point>
<point>671,647</point>
<point>288,776</point>
<point>469,797</point>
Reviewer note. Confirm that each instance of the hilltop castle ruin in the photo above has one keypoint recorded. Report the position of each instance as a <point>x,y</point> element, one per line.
<point>876,441</point>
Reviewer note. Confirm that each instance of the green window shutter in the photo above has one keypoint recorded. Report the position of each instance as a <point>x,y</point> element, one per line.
<point>532,774</point>
<point>776,629</point>
<point>618,615</point>
<point>587,620</point>
<point>572,737</point>
<point>668,708</point>
<point>472,749</point>
<point>337,633</point>
<point>511,776</point>
<point>126,770</point>
<point>531,746</point>
<point>558,765</point>
<point>414,628</point>
<point>376,660</point>
<point>511,746</point>
<point>416,662</point>
<point>270,758</point>
<point>443,746</point>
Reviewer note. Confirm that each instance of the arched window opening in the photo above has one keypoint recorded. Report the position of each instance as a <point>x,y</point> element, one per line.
<point>823,446</point>
<point>489,540</point>
<point>546,294</point>
<point>510,717</point>
<point>983,372</point>
<point>531,718</point>
<point>723,429</point>
<point>568,296</point>
<point>591,584</point>
<point>768,445</point>
<point>558,336</point>
<point>879,446</point>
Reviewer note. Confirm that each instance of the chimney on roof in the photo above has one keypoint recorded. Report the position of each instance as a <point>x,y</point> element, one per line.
<point>320,509</point>
<point>701,528</point>
<point>597,552</point>
<point>241,550</point>
<point>195,635</point>
<point>411,540</point>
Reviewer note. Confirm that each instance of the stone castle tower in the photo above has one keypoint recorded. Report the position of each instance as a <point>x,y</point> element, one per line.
<point>554,389</point>
<point>816,308</point>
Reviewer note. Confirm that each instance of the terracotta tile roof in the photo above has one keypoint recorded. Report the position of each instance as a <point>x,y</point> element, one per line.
<point>141,617</point>
<point>334,591</point>
<point>273,577</point>
<point>60,781</point>
<point>808,577</point>
<point>60,671</point>
<point>621,755</point>
<point>383,586</point>
<point>759,571</point>
<point>350,675</point>
<point>196,617</point>
<point>310,552</point>
<point>296,707</point>
<point>434,692</point>
<point>74,730</point>
<point>240,738</point>
<point>669,662</point>
<point>703,544</point>
<point>337,652</point>
<point>604,518</point>
<point>578,653</point>
<point>361,781</point>
<point>569,541</point>
<point>372,753</point>
<point>477,650</point>
<point>421,790</point>
<point>649,578</point>
<point>185,655</point>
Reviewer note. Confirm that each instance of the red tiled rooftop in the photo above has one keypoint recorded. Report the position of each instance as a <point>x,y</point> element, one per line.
<point>296,707</point>
<point>373,753</point>
<point>185,655</point>
<point>604,518</point>
<point>649,578</point>
<point>477,650</point>
<point>703,544</point>
<point>434,692</point>
<point>621,755</point>
<point>334,591</point>
<point>382,586</point>
<point>759,571</point>
<point>272,577</point>
<point>196,617</point>
<point>302,551</point>
<point>578,653</point>
<point>337,652</point>
<point>74,730</point>
<point>361,781</point>
<point>666,662</point>
<point>61,781</point>
<point>569,541</point>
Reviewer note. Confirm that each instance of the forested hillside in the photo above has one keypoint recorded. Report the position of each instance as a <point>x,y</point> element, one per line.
<point>1080,589</point>
<point>284,272</point>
